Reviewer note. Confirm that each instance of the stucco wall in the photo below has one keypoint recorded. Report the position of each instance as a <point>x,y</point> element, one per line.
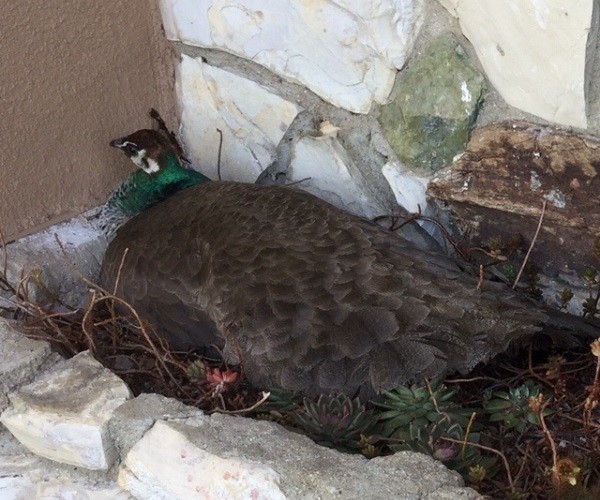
<point>75,74</point>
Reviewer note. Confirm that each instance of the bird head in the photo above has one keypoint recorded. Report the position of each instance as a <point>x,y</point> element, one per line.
<point>147,149</point>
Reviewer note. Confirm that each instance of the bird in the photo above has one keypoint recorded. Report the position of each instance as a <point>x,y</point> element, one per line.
<point>305,296</point>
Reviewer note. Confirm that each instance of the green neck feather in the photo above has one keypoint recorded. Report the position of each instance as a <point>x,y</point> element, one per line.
<point>141,190</point>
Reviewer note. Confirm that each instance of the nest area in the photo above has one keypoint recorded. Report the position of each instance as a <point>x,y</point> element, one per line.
<point>525,426</point>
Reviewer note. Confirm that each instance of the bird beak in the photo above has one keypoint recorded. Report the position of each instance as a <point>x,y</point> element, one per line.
<point>117,143</point>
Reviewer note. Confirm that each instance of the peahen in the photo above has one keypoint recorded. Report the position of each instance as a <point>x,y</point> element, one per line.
<point>314,299</point>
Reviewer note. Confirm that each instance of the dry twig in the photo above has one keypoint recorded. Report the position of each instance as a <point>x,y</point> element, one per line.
<point>265,396</point>
<point>219,153</point>
<point>492,450</point>
<point>537,231</point>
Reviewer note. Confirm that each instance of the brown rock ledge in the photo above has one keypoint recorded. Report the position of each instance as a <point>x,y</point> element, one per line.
<point>497,188</point>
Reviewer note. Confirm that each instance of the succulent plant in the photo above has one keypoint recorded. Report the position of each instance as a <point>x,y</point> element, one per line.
<point>510,271</point>
<point>590,306</point>
<point>424,419</point>
<point>280,401</point>
<point>336,420</point>
<point>196,371</point>
<point>220,381</point>
<point>214,378</point>
<point>513,408</point>
<point>420,407</point>
<point>531,277</point>
<point>564,297</point>
<point>434,440</point>
<point>590,276</point>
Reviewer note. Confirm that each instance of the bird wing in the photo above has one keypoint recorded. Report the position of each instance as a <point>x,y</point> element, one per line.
<point>318,299</point>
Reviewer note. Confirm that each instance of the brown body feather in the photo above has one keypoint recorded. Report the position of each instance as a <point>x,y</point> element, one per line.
<point>318,300</point>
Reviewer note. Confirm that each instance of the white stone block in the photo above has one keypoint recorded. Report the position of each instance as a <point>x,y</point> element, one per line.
<point>252,119</point>
<point>535,52</point>
<point>327,171</point>
<point>27,477</point>
<point>345,51</point>
<point>450,6</point>
<point>410,190</point>
<point>63,415</point>
<point>164,464</point>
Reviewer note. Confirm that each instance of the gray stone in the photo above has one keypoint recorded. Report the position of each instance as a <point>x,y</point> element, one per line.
<point>133,418</point>
<point>24,476</point>
<point>429,120</point>
<point>26,357</point>
<point>322,167</point>
<point>63,415</point>
<point>52,278</point>
<point>223,454</point>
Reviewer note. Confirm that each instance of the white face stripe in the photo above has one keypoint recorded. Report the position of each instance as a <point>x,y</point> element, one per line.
<point>138,159</point>
<point>148,165</point>
<point>152,167</point>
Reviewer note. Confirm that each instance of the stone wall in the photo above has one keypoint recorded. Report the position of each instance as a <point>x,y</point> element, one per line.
<point>249,68</point>
<point>364,103</point>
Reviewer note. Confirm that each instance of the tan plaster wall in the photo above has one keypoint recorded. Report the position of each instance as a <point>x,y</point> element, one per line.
<point>74,75</point>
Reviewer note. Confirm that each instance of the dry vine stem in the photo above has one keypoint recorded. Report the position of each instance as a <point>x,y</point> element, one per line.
<point>146,336</point>
<point>412,217</point>
<point>265,396</point>
<point>492,450</point>
<point>112,298</point>
<point>467,433</point>
<point>537,231</point>
<point>591,401</point>
<point>220,132</point>
<point>288,184</point>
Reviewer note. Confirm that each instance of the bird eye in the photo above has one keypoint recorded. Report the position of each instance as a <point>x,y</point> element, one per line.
<point>131,149</point>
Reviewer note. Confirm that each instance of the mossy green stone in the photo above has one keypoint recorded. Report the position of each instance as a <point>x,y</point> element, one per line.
<point>429,121</point>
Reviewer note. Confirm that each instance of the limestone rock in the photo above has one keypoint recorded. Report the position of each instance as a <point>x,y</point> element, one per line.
<point>165,464</point>
<point>429,120</point>
<point>252,119</point>
<point>232,457</point>
<point>327,171</point>
<point>535,53</point>
<point>497,187</point>
<point>133,418</point>
<point>411,194</point>
<point>346,52</point>
<point>28,478</point>
<point>450,6</point>
<point>51,271</point>
<point>409,189</point>
<point>63,415</point>
<point>26,358</point>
